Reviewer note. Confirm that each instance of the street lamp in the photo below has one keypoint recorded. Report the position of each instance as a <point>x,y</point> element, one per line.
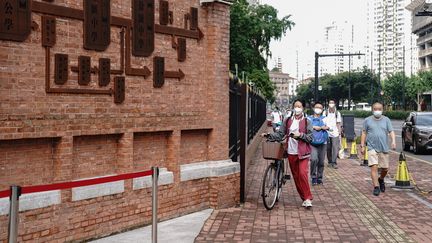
<point>317,56</point>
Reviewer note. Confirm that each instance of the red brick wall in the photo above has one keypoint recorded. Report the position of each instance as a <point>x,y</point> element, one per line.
<point>150,149</point>
<point>194,146</point>
<point>26,162</point>
<point>94,136</point>
<point>94,156</point>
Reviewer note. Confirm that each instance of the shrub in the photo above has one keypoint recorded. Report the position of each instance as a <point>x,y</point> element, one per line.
<point>398,115</point>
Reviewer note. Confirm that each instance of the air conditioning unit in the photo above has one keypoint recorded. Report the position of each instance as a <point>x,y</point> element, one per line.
<point>228,2</point>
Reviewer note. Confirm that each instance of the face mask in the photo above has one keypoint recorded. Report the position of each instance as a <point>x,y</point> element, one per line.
<point>298,110</point>
<point>318,111</point>
<point>377,114</point>
<point>331,105</point>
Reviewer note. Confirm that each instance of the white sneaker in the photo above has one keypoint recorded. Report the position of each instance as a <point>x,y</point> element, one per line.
<point>307,203</point>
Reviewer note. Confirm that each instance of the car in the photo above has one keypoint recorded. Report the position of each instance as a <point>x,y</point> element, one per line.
<point>417,132</point>
<point>363,107</point>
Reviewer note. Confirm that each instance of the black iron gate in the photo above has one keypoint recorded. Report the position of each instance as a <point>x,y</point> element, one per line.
<point>247,113</point>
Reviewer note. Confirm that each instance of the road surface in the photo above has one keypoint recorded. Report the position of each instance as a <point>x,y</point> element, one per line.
<point>397,126</point>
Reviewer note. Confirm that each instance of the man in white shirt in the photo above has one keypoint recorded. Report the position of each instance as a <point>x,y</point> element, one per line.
<point>276,118</point>
<point>333,119</point>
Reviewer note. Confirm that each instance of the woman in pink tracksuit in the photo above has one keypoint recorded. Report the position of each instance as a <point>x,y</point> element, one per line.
<point>298,131</point>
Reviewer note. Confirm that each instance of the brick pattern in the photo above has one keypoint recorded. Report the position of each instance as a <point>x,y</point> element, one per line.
<point>26,162</point>
<point>69,137</point>
<point>344,210</point>
<point>150,149</point>
<point>94,156</point>
<point>194,146</point>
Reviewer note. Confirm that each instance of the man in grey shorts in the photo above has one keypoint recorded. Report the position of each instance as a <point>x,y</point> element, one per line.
<point>376,130</point>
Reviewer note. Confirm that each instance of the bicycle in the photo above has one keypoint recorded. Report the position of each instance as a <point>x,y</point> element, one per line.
<point>274,178</point>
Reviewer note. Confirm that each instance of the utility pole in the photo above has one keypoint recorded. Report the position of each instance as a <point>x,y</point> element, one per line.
<point>379,72</point>
<point>316,77</point>
<point>349,81</point>
<point>403,82</point>
<point>317,56</point>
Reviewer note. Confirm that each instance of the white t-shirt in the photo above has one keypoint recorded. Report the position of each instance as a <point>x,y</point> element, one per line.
<point>293,143</point>
<point>276,116</point>
<point>331,122</point>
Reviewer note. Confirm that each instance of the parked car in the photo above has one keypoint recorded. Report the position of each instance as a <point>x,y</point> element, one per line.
<point>363,107</point>
<point>417,132</point>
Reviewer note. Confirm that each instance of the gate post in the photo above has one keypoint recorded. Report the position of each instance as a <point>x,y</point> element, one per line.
<point>14,213</point>
<point>243,140</point>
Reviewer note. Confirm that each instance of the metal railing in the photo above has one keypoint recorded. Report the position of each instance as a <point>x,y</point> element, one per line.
<point>15,192</point>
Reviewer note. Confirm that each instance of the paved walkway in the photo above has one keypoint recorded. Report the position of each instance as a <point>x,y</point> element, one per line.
<point>344,210</point>
<point>182,229</point>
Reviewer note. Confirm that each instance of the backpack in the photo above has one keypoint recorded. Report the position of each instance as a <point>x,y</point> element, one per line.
<point>325,113</point>
<point>319,137</point>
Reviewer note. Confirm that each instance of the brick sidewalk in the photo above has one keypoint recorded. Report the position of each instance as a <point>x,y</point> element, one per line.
<point>344,210</point>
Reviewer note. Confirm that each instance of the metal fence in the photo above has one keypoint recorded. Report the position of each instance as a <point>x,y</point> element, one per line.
<point>256,115</point>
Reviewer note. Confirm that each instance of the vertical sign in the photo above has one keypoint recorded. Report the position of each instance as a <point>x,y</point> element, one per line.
<point>143,12</point>
<point>119,89</point>
<point>104,71</point>
<point>15,19</point>
<point>163,12</point>
<point>181,49</point>
<point>194,19</point>
<point>84,73</point>
<point>158,72</point>
<point>97,24</point>
<point>61,68</point>
<point>48,31</point>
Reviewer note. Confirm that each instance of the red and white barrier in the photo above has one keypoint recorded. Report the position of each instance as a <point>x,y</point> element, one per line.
<point>15,192</point>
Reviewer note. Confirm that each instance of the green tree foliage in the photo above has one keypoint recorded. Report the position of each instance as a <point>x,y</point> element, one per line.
<point>394,88</point>
<point>262,81</point>
<point>252,29</point>
<point>364,87</point>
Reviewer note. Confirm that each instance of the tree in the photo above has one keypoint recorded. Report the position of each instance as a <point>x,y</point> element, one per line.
<point>394,88</point>
<point>261,80</point>
<point>252,29</point>
<point>418,84</point>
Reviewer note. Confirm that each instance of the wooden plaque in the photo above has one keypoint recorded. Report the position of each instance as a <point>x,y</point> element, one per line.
<point>163,12</point>
<point>48,31</point>
<point>143,13</point>
<point>119,89</point>
<point>97,24</point>
<point>194,19</point>
<point>158,72</point>
<point>15,19</point>
<point>104,71</point>
<point>84,73</point>
<point>61,68</point>
<point>181,49</point>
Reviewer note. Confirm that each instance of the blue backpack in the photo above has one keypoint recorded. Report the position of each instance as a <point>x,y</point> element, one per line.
<point>318,137</point>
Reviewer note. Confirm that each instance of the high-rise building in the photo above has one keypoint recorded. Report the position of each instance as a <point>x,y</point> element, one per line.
<point>340,38</point>
<point>389,35</point>
<point>422,27</point>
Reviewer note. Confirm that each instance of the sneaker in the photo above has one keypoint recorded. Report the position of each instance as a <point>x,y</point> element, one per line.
<point>307,203</point>
<point>330,165</point>
<point>319,181</point>
<point>335,166</point>
<point>376,191</point>
<point>314,181</point>
<point>381,184</point>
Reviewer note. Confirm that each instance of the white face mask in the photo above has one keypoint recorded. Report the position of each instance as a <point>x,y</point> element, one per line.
<point>377,114</point>
<point>298,110</point>
<point>318,111</point>
<point>331,105</point>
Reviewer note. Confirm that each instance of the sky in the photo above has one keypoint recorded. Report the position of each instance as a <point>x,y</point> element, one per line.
<point>310,17</point>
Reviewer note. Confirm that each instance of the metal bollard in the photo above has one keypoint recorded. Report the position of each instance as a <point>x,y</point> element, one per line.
<point>14,213</point>
<point>155,178</point>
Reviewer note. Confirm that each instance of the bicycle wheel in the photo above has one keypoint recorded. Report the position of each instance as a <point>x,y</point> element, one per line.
<point>269,189</point>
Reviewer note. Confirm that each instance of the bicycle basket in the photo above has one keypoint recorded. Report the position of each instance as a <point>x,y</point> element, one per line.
<point>272,150</point>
